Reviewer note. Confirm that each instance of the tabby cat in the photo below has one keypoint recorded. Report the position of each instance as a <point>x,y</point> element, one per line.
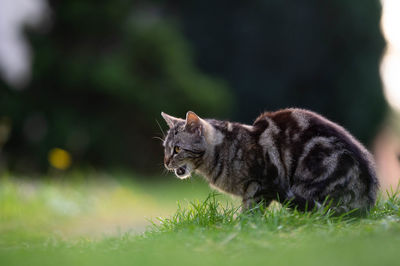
<point>291,155</point>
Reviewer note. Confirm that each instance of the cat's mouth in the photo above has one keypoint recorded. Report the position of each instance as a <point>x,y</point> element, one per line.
<point>182,172</point>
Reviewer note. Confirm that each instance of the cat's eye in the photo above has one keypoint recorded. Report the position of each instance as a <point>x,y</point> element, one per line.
<point>177,149</point>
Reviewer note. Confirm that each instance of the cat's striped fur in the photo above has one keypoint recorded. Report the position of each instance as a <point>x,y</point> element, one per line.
<point>290,155</point>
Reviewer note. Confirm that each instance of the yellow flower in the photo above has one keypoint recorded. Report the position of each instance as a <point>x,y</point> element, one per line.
<point>59,158</point>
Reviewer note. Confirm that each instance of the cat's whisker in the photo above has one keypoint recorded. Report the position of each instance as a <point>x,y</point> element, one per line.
<point>159,126</point>
<point>158,138</point>
<point>164,172</point>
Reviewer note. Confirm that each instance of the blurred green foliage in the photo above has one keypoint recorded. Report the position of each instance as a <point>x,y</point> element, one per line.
<point>101,77</point>
<point>103,71</point>
<point>320,55</point>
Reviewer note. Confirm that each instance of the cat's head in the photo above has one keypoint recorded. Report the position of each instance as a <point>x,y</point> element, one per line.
<point>185,143</point>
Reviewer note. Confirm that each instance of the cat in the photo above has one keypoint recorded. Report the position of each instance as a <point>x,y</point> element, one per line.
<point>291,155</point>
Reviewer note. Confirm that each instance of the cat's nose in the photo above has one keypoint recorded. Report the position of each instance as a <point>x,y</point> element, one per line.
<point>166,161</point>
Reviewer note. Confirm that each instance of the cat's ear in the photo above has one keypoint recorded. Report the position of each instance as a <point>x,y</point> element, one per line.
<point>193,122</point>
<point>171,121</point>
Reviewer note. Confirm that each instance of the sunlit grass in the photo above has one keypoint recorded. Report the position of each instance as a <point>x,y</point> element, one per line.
<point>210,214</point>
<point>95,221</point>
<point>89,205</point>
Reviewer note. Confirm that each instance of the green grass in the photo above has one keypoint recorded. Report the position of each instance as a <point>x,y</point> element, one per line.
<point>205,229</point>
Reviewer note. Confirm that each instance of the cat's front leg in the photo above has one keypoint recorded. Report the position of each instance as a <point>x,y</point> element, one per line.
<point>251,196</point>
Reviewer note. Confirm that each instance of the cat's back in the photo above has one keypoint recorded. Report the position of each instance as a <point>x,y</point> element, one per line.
<point>300,128</point>
<point>308,146</point>
<point>304,125</point>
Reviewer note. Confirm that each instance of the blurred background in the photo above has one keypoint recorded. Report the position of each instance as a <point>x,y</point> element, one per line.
<point>82,83</point>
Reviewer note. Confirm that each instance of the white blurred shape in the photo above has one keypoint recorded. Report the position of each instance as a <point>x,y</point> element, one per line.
<point>390,67</point>
<point>15,55</point>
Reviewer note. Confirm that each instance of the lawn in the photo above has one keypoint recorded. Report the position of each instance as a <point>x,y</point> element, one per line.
<point>114,219</point>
